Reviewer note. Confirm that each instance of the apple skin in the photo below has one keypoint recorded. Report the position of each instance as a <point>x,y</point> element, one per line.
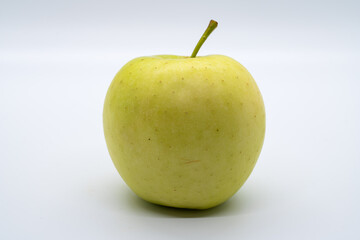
<point>184,132</point>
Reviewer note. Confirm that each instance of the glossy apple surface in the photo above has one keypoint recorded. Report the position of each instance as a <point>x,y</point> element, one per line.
<point>184,132</point>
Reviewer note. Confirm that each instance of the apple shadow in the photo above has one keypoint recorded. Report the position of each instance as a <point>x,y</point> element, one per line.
<point>122,197</point>
<point>228,208</point>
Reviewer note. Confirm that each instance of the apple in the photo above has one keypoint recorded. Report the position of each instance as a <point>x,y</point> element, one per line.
<point>182,131</point>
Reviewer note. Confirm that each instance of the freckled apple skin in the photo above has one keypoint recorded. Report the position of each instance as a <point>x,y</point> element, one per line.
<point>184,132</point>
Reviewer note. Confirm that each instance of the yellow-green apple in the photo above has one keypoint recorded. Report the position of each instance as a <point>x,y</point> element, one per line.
<point>184,132</point>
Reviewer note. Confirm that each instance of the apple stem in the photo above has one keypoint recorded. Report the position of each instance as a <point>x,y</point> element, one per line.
<point>212,25</point>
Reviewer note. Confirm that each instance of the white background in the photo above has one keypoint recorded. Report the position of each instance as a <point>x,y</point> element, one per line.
<point>57,59</point>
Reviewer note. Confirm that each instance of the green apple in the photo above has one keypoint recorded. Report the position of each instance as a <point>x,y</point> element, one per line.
<point>184,132</point>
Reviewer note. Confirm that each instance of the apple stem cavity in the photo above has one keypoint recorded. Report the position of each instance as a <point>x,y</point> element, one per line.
<point>212,25</point>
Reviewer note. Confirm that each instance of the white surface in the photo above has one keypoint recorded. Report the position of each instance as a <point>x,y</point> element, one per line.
<point>57,59</point>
